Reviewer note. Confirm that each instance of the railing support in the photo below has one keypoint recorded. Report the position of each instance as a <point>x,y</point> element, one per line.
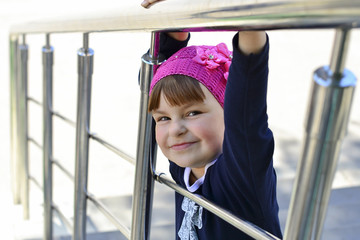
<point>85,70</point>
<point>23,126</point>
<point>327,120</point>
<point>144,182</point>
<point>47,58</point>
<point>15,174</point>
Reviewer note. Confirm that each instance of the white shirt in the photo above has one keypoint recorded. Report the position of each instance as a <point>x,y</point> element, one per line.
<point>198,182</point>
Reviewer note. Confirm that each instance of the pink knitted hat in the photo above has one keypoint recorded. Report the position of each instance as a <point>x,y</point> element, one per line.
<point>207,64</point>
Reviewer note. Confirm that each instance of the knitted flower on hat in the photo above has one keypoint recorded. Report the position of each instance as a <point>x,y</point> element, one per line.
<point>207,64</point>
<point>214,57</point>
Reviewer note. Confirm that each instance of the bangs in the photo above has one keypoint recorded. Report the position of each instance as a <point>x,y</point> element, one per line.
<point>178,90</point>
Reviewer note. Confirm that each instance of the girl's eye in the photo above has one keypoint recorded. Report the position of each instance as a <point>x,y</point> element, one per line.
<point>193,113</point>
<point>160,119</point>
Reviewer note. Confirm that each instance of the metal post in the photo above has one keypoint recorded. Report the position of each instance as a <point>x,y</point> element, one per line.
<point>85,70</point>
<point>23,126</point>
<point>15,175</point>
<point>144,182</point>
<point>48,56</point>
<point>327,120</point>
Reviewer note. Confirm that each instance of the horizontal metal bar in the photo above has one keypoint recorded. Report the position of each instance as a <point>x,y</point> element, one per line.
<point>36,182</point>
<point>111,147</point>
<point>123,229</point>
<point>30,139</point>
<point>63,218</point>
<point>65,119</point>
<point>247,227</point>
<point>200,15</point>
<point>63,169</point>
<point>37,102</point>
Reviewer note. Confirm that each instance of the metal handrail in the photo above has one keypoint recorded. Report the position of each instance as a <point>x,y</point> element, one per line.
<point>55,113</point>
<point>112,148</point>
<point>201,15</point>
<point>62,217</point>
<point>124,230</point>
<point>37,102</point>
<point>63,169</point>
<point>65,119</point>
<point>33,141</point>
<point>107,213</point>
<point>35,181</point>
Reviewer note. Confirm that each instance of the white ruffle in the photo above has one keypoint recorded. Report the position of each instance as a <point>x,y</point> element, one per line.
<point>192,218</point>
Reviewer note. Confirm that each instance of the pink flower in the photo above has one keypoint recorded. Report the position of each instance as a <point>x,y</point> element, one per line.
<point>214,57</point>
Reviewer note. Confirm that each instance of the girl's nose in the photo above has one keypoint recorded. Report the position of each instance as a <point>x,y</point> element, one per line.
<point>177,128</point>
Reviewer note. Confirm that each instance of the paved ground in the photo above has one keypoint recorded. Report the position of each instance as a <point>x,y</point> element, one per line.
<point>294,56</point>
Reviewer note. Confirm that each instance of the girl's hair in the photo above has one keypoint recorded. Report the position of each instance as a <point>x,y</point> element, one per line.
<point>177,89</point>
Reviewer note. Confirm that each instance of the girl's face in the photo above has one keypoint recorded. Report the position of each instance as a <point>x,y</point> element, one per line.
<point>190,135</point>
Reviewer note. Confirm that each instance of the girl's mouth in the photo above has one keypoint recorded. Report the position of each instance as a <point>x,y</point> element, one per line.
<point>181,146</point>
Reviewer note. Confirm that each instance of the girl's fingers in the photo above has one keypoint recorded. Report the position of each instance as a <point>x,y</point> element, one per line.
<point>149,3</point>
<point>145,4</point>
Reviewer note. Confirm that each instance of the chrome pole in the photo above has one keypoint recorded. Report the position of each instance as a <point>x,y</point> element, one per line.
<point>144,182</point>
<point>15,175</point>
<point>340,74</point>
<point>85,70</point>
<point>327,119</point>
<point>23,127</point>
<point>47,58</point>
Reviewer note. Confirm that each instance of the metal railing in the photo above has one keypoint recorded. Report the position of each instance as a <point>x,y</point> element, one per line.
<point>328,112</point>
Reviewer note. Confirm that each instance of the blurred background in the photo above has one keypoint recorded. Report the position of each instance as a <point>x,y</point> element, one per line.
<point>294,55</point>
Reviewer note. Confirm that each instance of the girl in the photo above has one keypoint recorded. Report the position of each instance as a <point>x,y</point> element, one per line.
<point>209,105</point>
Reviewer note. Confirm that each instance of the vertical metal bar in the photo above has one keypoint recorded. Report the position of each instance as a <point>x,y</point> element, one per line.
<point>144,182</point>
<point>85,70</point>
<point>327,120</point>
<point>341,76</point>
<point>23,126</point>
<point>47,58</point>
<point>339,53</point>
<point>15,175</point>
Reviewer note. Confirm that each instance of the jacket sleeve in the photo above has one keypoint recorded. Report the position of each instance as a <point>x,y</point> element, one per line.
<point>169,46</point>
<point>248,142</point>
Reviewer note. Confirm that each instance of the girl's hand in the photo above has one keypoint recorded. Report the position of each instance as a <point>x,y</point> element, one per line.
<point>179,36</point>
<point>251,41</point>
<point>149,3</point>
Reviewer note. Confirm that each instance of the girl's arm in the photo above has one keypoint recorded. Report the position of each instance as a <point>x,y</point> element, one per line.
<point>248,142</point>
<point>171,42</point>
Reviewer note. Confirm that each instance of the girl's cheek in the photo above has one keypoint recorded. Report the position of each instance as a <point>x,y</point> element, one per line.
<point>159,135</point>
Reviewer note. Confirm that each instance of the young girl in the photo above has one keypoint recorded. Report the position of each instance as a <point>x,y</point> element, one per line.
<point>211,123</point>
